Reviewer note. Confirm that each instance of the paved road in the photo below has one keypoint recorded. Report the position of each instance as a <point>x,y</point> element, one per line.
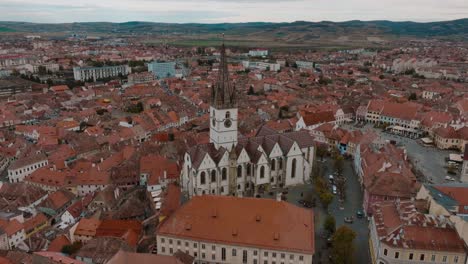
<point>353,202</point>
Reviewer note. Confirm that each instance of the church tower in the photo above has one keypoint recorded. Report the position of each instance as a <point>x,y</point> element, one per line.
<point>223,109</point>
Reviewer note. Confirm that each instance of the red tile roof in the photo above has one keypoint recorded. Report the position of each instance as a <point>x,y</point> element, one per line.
<point>243,221</point>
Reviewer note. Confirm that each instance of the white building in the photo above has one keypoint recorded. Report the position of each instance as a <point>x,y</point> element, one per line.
<point>95,73</point>
<point>258,53</point>
<point>23,167</point>
<point>232,166</point>
<point>216,229</point>
<point>261,65</point>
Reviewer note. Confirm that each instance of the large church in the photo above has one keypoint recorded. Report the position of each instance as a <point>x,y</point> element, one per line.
<point>240,166</point>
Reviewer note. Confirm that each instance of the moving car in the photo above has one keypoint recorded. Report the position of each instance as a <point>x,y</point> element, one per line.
<point>349,219</point>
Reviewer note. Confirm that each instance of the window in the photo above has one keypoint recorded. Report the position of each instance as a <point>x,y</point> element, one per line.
<point>213,176</point>
<point>224,174</point>
<point>203,246</point>
<point>202,178</point>
<point>282,255</point>
<point>213,247</point>
<point>228,114</point>
<point>444,259</point>
<point>244,256</point>
<point>170,241</point>
<point>178,242</point>
<point>433,258</point>
<point>421,257</point>
<point>163,250</point>
<point>249,168</point>
<point>274,254</point>
<point>234,253</point>
<point>195,245</point>
<point>455,259</point>
<point>262,172</point>
<point>265,254</point>
<point>254,261</point>
<point>397,255</point>
<point>293,168</point>
<point>385,252</point>
<point>301,258</point>
<point>273,165</point>
<point>162,240</point>
<point>170,251</point>
<point>213,256</point>
<point>203,255</point>
<point>239,171</point>
<point>411,256</point>
<point>291,257</point>
<point>255,252</point>
<point>223,254</point>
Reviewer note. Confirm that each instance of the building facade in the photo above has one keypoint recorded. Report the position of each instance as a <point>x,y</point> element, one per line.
<point>96,73</point>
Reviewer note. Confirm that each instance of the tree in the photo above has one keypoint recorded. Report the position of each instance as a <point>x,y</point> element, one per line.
<point>338,164</point>
<point>330,224</point>
<point>251,90</point>
<point>412,97</point>
<point>71,249</point>
<point>326,197</point>
<point>343,245</point>
<point>321,151</point>
<point>381,76</point>
<point>42,70</point>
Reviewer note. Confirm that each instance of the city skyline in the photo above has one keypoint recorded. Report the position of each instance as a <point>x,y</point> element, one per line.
<point>210,11</point>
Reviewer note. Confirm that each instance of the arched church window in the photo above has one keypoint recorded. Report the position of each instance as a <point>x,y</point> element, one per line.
<point>293,168</point>
<point>273,165</point>
<point>224,174</point>
<point>262,172</point>
<point>202,178</point>
<point>239,171</point>
<point>280,163</point>
<point>213,176</point>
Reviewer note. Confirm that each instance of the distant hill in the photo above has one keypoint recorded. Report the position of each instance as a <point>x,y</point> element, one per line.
<point>281,35</point>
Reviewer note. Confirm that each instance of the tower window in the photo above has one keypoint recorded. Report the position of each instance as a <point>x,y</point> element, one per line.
<point>239,171</point>
<point>228,114</point>
<point>273,165</point>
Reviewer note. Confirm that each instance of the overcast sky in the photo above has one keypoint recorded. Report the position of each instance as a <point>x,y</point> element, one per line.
<point>215,11</point>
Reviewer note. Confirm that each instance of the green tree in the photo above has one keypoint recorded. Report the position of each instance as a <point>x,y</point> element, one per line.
<point>42,70</point>
<point>330,224</point>
<point>343,245</point>
<point>338,164</point>
<point>326,197</point>
<point>71,249</point>
<point>321,152</point>
<point>251,90</point>
<point>412,97</point>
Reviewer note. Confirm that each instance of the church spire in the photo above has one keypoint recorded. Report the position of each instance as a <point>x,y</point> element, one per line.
<point>223,92</point>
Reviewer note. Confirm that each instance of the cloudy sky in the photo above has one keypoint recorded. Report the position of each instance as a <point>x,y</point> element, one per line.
<point>214,11</point>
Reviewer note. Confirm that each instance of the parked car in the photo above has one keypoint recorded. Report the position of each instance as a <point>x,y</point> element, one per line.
<point>359,214</point>
<point>331,178</point>
<point>334,189</point>
<point>349,220</point>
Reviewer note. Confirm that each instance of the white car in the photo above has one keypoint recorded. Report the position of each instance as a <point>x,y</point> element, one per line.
<point>334,189</point>
<point>331,178</point>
